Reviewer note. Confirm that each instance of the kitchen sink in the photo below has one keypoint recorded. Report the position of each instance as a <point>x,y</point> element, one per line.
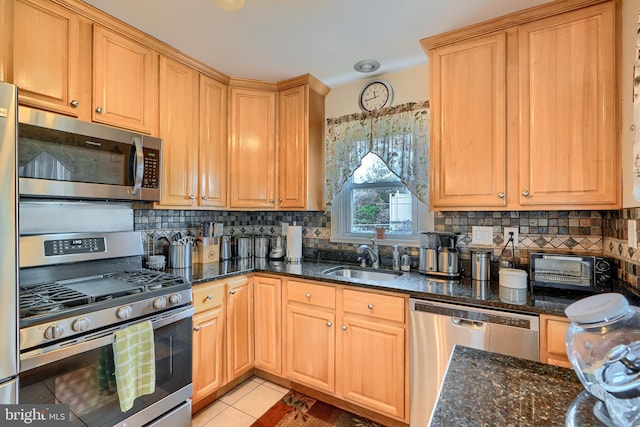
<point>362,273</point>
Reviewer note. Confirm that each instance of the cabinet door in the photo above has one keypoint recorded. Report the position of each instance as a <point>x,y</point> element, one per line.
<point>553,332</point>
<point>310,347</point>
<point>207,352</point>
<point>268,324</point>
<point>125,82</point>
<point>292,147</point>
<point>178,130</point>
<point>213,143</point>
<point>372,365</point>
<point>468,131</point>
<point>252,167</point>
<point>239,327</point>
<point>569,151</point>
<point>46,56</point>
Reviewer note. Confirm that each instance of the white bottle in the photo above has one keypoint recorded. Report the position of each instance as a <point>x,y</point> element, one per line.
<point>396,258</point>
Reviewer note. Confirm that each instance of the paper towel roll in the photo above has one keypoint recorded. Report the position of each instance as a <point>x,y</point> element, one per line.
<point>294,244</point>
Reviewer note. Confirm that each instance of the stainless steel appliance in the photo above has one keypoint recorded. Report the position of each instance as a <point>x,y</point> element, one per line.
<point>9,245</point>
<point>435,328</point>
<point>75,291</point>
<point>62,157</point>
<point>570,271</point>
<point>438,254</point>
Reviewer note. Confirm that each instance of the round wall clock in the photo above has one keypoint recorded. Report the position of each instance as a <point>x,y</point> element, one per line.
<point>375,95</point>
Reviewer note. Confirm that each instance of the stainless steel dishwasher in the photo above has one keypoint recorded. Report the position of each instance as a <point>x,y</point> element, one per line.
<point>435,328</point>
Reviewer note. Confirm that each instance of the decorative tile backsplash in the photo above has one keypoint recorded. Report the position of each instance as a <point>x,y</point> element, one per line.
<point>590,232</point>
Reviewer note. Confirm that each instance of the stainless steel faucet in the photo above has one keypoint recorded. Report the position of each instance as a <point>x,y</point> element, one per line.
<point>372,252</point>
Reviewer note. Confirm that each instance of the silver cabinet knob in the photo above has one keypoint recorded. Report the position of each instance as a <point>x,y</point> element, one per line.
<point>308,295</point>
<point>209,296</point>
<point>279,199</point>
<point>525,193</point>
<point>99,110</point>
<point>197,328</point>
<point>329,324</point>
<point>501,195</point>
<point>370,306</point>
<point>204,197</point>
<point>271,200</point>
<point>192,197</point>
<point>344,327</point>
<point>74,104</point>
<point>232,291</point>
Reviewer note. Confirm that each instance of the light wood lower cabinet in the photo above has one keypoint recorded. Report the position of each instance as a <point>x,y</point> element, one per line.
<point>240,329</point>
<point>348,343</point>
<point>208,339</point>
<point>553,332</point>
<point>267,307</point>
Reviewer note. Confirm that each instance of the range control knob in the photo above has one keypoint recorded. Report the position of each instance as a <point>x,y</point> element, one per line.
<point>124,312</point>
<point>81,324</point>
<point>54,332</point>
<point>159,303</point>
<point>175,298</point>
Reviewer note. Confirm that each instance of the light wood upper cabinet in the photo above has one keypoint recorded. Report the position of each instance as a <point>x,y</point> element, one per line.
<point>469,135</point>
<point>301,144</point>
<point>46,62</point>
<point>125,82</point>
<point>568,134</point>
<point>524,111</point>
<point>213,143</point>
<point>240,329</point>
<point>252,148</point>
<point>267,292</point>
<point>178,130</point>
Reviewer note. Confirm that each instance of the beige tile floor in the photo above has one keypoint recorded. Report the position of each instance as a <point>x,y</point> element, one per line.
<point>241,406</point>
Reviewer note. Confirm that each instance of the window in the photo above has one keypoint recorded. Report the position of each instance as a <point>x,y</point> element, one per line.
<point>374,197</point>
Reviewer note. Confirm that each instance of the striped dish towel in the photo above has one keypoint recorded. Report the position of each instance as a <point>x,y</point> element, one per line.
<point>134,359</point>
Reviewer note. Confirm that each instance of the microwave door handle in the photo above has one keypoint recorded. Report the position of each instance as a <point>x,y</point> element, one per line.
<point>138,165</point>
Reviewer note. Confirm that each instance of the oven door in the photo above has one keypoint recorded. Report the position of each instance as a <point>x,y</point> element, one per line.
<point>74,374</point>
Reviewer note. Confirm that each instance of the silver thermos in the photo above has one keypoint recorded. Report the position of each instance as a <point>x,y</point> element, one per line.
<point>225,248</point>
<point>480,264</point>
<point>448,258</point>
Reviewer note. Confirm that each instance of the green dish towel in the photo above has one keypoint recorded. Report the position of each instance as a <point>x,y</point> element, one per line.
<point>134,359</point>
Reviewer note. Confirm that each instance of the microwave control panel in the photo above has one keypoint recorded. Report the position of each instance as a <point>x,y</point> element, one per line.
<point>151,177</point>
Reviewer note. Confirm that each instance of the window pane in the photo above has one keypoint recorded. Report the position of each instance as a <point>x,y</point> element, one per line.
<point>373,169</point>
<point>387,207</point>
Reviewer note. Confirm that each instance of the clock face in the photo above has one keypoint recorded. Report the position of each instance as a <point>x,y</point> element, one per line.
<point>375,95</point>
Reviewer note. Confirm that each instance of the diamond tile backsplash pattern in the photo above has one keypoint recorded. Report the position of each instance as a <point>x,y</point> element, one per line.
<point>592,232</point>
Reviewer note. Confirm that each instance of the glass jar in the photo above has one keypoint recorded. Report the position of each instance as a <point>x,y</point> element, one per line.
<point>598,324</point>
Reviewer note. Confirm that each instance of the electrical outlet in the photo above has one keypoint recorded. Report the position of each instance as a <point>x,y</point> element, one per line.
<point>633,234</point>
<point>513,230</point>
<point>482,235</point>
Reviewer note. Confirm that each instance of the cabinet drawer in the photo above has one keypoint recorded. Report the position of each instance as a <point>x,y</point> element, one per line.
<point>312,294</point>
<point>208,296</point>
<point>380,306</point>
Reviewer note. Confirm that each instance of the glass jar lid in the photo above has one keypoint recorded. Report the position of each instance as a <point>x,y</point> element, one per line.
<point>598,308</point>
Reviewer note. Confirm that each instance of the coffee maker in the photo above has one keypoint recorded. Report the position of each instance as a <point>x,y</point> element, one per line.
<point>438,254</point>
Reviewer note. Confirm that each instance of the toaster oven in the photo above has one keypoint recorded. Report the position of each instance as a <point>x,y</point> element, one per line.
<point>570,271</point>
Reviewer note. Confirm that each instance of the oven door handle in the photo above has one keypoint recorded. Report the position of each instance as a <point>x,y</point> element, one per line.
<point>42,356</point>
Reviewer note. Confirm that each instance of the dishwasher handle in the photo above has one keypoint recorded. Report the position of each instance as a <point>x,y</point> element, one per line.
<point>466,323</point>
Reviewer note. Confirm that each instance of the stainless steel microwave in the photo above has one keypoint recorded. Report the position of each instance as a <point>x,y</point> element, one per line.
<point>62,157</point>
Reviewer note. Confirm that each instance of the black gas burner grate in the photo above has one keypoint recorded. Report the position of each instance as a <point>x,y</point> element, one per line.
<point>150,279</point>
<point>47,298</point>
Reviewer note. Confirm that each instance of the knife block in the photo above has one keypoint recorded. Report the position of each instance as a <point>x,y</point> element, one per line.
<point>207,252</point>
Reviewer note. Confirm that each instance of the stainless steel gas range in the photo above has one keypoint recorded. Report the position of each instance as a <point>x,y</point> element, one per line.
<point>76,290</point>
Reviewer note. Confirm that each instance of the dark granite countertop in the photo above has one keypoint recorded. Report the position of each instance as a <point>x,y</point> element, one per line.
<point>415,284</point>
<point>489,389</point>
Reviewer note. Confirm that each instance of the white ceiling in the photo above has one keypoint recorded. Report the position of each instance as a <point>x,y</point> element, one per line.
<point>274,40</point>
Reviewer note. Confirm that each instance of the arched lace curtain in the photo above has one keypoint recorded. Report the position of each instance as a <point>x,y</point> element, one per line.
<point>398,135</point>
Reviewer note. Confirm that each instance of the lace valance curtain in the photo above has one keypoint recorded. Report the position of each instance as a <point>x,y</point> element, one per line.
<point>398,135</point>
